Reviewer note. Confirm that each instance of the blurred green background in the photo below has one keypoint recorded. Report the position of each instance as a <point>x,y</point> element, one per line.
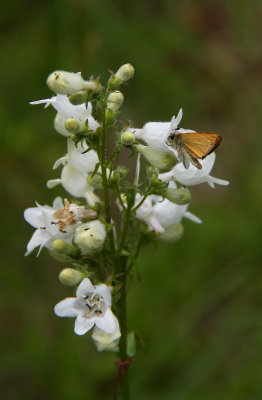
<point>198,304</point>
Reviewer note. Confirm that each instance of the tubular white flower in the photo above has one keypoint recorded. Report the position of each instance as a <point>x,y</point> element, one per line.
<point>48,224</point>
<point>91,306</point>
<point>155,134</point>
<point>64,82</point>
<point>159,214</point>
<point>194,176</point>
<point>75,182</point>
<point>107,341</point>
<point>78,157</point>
<point>90,237</point>
<point>125,72</point>
<point>66,109</point>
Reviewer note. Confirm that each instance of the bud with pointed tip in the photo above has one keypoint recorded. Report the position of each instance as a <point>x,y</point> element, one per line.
<point>127,138</point>
<point>178,196</point>
<point>125,72</point>
<point>160,159</point>
<point>70,276</point>
<point>90,237</point>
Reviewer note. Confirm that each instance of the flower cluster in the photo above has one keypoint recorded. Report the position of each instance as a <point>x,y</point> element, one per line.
<point>81,231</point>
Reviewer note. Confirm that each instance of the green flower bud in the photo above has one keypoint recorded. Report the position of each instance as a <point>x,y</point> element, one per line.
<point>178,196</point>
<point>115,176</point>
<point>160,159</point>
<point>70,276</point>
<point>74,125</point>
<point>78,98</point>
<point>110,115</point>
<point>63,82</point>
<point>62,247</point>
<point>127,138</point>
<point>115,101</point>
<point>125,72</point>
<point>90,237</point>
<point>172,233</point>
<point>95,181</point>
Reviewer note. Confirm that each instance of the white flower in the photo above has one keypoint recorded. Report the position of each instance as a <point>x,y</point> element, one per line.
<point>90,236</point>
<point>75,182</point>
<point>78,157</point>
<point>155,134</point>
<point>194,176</point>
<point>107,341</point>
<point>66,110</point>
<point>91,306</point>
<point>49,226</point>
<point>159,214</point>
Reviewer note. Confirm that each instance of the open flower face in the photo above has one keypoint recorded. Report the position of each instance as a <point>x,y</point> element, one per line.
<point>91,306</point>
<point>57,222</point>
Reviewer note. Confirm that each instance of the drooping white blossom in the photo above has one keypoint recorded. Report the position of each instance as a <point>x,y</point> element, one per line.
<point>194,176</point>
<point>107,341</point>
<point>79,157</point>
<point>66,109</point>
<point>91,306</point>
<point>75,183</point>
<point>155,134</point>
<point>159,213</point>
<point>49,226</point>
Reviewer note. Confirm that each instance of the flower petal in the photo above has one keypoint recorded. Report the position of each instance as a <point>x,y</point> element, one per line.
<point>66,308</point>
<point>52,183</point>
<point>40,237</point>
<point>84,288</point>
<point>83,325</point>
<point>33,216</point>
<point>192,217</point>
<point>106,322</point>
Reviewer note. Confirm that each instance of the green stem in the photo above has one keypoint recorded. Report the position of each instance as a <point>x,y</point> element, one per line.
<point>122,315</point>
<point>102,160</point>
<point>125,229</point>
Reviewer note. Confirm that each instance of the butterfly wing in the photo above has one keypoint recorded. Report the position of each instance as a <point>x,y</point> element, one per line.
<point>199,145</point>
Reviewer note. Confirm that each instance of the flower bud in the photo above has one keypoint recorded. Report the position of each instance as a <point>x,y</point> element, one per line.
<point>78,98</point>
<point>107,341</point>
<point>115,176</point>
<point>90,237</point>
<point>127,138</point>
<point>125,72</point>
<point>172,233</point>
<point>62,247</point>
<point>160,159</point>
<point>59,124</point>
<point>64,82</point>
<point>74,125</point>
<point>113,82</point>
<point>95,181</point>
<point>115,101</point>
<point>70,276</point>
<point>178,196</point>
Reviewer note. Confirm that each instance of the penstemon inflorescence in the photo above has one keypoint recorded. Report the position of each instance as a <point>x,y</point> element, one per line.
<point>110,212</point>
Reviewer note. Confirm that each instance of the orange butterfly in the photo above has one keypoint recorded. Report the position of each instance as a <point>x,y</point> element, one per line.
<point>192,146</point>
